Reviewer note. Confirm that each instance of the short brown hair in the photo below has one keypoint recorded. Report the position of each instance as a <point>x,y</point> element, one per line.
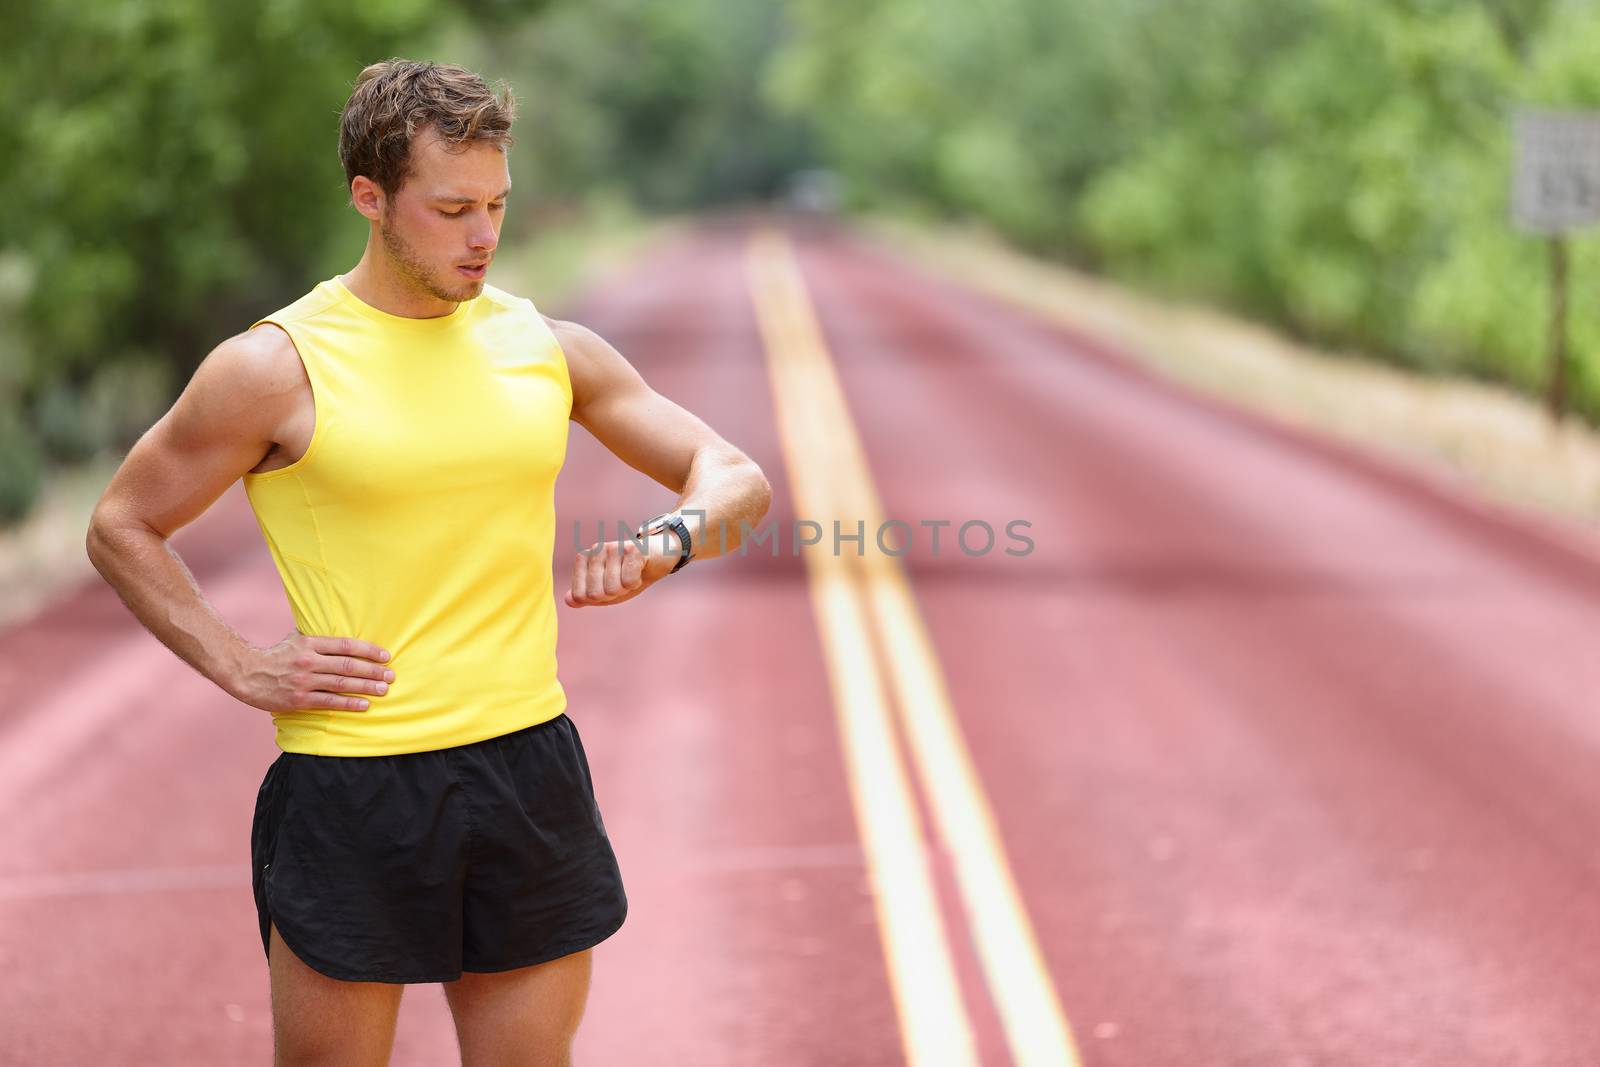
<point>396,99</point>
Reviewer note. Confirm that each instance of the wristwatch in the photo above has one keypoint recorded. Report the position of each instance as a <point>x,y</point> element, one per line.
<point>670,521</point>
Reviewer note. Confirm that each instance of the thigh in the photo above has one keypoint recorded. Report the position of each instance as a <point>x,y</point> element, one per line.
<point>524,1017</point>
<point>322,1020</point>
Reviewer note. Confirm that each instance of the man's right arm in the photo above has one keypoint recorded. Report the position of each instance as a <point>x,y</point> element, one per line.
<point>222,425</point>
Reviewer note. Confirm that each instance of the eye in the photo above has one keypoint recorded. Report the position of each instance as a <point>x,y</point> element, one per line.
<point>453,214</point>
<point>497,207</point>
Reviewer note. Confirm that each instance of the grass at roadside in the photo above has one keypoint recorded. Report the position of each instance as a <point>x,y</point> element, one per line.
<point>1498,441</point>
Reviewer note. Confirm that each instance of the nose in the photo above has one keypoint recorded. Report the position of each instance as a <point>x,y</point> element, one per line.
<point>484,239</point>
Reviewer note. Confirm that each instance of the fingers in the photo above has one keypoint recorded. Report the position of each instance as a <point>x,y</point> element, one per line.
<point>580,581</point>
<point>608,573</point>
<point>622,568</point>
<point>333,683</point>
<point>318,701</point>
<point>597,573</point>
<point>589,576</point>
<point>350,667</point>
<point>348,657</point>
<point>305,694</point>
<point>348,646</point>
<point>329,668</point>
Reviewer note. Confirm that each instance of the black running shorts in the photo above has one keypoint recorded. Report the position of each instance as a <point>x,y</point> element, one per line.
<point>416,867</point>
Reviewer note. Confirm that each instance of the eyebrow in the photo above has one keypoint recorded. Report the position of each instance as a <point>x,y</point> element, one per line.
<point>468,199</point>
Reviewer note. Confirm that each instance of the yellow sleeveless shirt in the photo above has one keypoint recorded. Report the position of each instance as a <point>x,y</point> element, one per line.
<point>422,516</point>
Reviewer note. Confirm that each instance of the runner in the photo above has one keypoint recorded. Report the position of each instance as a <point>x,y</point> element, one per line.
<point>399,430</point>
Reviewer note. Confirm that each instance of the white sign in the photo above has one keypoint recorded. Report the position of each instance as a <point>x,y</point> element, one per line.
<point>1556,186</point>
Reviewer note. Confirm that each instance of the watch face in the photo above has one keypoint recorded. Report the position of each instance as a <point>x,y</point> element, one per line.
<point>655,527</point>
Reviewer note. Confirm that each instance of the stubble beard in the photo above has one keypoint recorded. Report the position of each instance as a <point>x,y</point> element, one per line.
<point>412,267</point>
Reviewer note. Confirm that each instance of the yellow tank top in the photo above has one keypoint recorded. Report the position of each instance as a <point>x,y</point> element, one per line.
<point>422,515</point>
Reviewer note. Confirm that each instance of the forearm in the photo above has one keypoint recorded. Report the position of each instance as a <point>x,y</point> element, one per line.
<point>733,495</point>
<point>162,594</point>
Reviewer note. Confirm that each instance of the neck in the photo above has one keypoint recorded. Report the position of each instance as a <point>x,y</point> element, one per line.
<point>376,282</point>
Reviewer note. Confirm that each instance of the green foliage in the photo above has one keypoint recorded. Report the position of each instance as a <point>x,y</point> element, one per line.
<point>168,163</point>
<point>124,398</point>
<point>170,167</point>
<point>21,465</point>
<point>64,431</point>
<point>1339,167</point>
<point>659,99</point>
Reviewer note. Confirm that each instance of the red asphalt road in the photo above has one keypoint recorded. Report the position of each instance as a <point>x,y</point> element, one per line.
<point>1291,752</point>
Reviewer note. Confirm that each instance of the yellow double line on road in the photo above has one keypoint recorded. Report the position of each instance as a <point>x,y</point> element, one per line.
<point>865,599</point>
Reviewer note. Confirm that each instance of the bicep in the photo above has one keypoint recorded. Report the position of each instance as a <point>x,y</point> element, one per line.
<point>220,426</point>
<point>646,430</point>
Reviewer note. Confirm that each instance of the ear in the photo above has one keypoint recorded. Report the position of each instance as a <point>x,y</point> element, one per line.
<point>367,197</point>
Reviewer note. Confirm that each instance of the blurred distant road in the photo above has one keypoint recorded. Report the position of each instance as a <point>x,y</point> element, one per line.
<point>1258,752</point>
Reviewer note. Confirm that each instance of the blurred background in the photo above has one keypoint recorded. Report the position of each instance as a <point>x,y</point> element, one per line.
<point>1337,169</point>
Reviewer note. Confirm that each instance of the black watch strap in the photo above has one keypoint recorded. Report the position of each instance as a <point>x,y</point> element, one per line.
<point>676,524</point>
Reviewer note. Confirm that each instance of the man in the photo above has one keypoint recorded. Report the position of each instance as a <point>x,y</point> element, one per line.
<point>399,430</point>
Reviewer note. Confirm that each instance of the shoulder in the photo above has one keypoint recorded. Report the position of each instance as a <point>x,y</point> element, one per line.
<point>242,390</point>
<point>254,374</point>
<point>263,356</point>
<point>575,338</point>
<point>589,356</point>
<point>595,369</point>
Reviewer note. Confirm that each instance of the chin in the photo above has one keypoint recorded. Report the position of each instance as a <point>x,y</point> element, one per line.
<point>459,291</point>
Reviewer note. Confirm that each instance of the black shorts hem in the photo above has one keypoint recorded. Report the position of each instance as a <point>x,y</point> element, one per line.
<point>548,954</point>
<point>327,970</point>
<point>322,967</point>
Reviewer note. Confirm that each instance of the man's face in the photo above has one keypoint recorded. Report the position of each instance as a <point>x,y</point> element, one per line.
<point>442,227</point>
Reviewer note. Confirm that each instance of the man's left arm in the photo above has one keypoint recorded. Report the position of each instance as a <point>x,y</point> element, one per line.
<point>722,491</point>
